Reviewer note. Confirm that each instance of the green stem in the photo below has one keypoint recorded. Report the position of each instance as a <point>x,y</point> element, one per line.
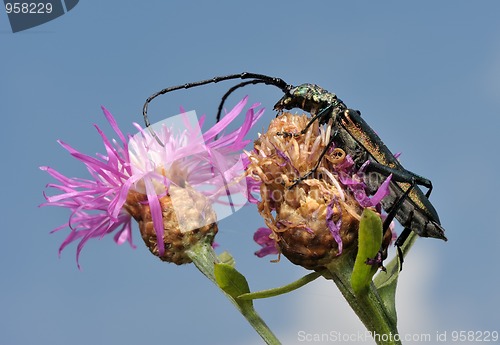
<point>204,259</point>
<point>282,289</point>
<point>368,306</point>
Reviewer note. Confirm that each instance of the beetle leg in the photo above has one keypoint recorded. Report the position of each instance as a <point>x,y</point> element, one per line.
<point>401,175</point>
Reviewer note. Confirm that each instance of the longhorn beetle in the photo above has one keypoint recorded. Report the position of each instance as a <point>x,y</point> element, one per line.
<point>406,201</point>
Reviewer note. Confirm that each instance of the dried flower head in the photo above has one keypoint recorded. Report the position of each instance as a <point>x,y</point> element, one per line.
<point>312,222</point>
<point>170,187</point>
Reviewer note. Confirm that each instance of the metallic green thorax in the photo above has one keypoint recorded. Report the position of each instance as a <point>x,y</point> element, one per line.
<point>310,98</point>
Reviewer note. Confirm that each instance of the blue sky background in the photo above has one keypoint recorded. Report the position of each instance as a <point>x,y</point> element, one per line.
<point>425,75</point>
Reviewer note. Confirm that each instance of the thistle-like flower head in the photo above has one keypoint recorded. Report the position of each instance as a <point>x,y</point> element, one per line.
<point>312,220</point>
<point>170,182</point>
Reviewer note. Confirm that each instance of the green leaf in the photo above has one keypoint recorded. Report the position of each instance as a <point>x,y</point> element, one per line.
<point>369,243</point>
<point>386,282</point>
<point>368,306</point>
<point>232,282</point>
<point>226,258</point>
<point>282,289</point>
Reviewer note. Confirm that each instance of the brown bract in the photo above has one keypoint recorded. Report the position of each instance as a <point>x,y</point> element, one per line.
<point>301,217</point>
<point>192,221</point>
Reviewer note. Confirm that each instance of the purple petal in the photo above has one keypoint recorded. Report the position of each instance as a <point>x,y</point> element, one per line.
<point>261,237</point>
<point>334,227</point>
<point>225,121</point>
<point>156,214</point>
<point>382,191</point>
<point>114,125</point>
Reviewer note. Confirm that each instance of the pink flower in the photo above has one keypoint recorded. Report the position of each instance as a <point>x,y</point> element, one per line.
<point>98,205</point>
